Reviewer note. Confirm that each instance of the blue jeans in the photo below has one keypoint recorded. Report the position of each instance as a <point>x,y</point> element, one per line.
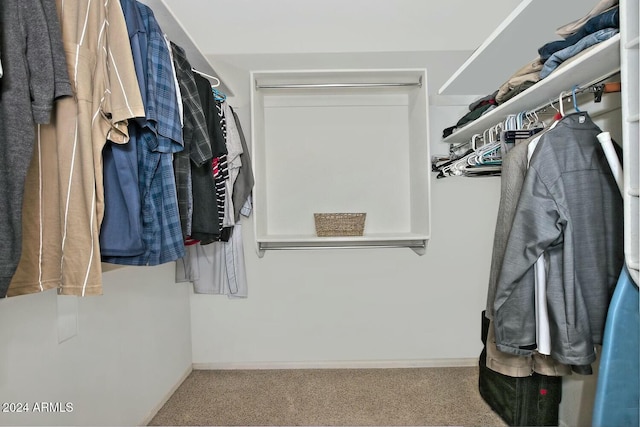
<point>562,55</point>
<point>608,19</point>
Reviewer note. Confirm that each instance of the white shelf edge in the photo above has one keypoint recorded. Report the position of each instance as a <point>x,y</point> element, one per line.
<point>634,118</point>
<point>480,50</point>
<point>603,61</point>
<point>632,44</point>
<point>174,29</point>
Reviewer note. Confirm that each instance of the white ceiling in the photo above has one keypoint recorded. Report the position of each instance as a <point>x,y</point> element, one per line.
<point>232,27</point>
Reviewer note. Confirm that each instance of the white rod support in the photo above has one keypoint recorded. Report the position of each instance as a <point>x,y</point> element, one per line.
<point>612,158</point>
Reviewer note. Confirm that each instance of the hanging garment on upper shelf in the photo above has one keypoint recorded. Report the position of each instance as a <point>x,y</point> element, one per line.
<point>571,208</point>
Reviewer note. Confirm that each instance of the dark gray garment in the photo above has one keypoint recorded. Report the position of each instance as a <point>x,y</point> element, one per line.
<point>244,182</point>
<point>60,70</point>
<point>205,218</point>
<point>26,98</point>
<point>197,146</point>
<point>570,209</point>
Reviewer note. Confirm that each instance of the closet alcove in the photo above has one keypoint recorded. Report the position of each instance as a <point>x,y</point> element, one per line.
<point>340,141</point>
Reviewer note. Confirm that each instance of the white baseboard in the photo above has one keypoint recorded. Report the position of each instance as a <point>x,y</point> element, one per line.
<point>166,397</point>
<point>348,364</point>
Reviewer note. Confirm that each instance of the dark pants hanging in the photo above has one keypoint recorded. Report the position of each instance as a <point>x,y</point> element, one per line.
<point>525,401</point>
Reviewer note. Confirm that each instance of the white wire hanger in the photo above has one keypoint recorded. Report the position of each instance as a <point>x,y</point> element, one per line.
<point>217,80</point>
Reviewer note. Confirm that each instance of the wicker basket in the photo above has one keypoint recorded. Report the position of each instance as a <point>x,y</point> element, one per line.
<point>339,224</point>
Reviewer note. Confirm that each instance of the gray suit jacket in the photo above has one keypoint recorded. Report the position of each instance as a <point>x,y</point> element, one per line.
<point>570,208</point>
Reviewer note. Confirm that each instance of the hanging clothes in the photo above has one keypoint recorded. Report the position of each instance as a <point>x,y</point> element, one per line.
<point>234,162</point>
<point>26,99</point>
<point>61,236</point>
<point>208,209</point>
<point>121,230</point>
<point>219,267</point>
<point>514,169</point>
<point>158,140</point>
<point>196,140</point>
<point>244,182</point>
<point>571,209</point>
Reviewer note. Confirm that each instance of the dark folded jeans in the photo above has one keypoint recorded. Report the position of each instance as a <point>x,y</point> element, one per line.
<point>608,19</point>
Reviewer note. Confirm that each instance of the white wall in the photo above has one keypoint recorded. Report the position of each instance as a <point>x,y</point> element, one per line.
<point>131,348</point>
<point>369,307</point>
<point>360,307</point>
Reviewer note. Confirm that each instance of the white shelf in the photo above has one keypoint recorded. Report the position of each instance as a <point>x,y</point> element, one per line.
<point>601,61</point>
<point>177,34</point>
<point>513,44</point>
<point>633,44</point>
<point>340,141</point>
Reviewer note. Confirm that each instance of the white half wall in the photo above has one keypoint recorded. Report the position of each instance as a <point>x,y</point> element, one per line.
<point>131,349</point>
<point>366,307</point>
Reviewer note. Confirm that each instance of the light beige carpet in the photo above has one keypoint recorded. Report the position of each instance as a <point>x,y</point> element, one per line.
<point>329,397</point>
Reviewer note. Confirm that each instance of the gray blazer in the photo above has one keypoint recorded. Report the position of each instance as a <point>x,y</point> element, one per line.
<point>571,209</point>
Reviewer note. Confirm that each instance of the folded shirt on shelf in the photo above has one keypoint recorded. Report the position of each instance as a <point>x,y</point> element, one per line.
<point>562,55</point>
<point>608,19</point>
<point>521,80</point>
<point>476,109</point>
<point>572,27</point>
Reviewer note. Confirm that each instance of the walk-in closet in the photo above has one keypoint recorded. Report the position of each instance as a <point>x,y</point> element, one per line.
<point>335,212</point>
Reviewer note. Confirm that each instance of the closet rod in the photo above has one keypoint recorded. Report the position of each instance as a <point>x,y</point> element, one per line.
<point>591,87</point>
<point>420,245</point>
<point>335,85</point>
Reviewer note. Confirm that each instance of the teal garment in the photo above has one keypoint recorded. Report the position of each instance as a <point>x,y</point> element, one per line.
<point>617,402</point>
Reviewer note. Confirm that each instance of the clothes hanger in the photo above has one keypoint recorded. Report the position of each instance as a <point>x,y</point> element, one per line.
<point>575,101</point>
<point>217,80</point>
<point>560,104</point>
<point>218,95</point>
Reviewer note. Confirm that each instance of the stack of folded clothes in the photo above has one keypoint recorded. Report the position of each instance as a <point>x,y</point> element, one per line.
<point>600,24</point>
<point>476,109</point>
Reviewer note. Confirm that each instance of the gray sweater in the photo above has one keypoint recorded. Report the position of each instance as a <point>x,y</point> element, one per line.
<point>26,98</point>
